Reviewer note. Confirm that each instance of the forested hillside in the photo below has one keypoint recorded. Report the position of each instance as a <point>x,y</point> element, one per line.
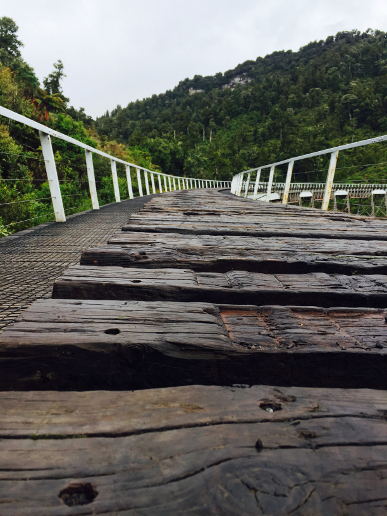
<point>288,103</point>
<point>24,191</point>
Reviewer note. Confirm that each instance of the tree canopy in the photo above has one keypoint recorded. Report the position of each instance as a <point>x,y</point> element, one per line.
<point>330,92</point>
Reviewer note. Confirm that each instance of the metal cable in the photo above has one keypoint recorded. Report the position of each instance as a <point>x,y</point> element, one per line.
<point>27,220</point>
<point>28,200</point>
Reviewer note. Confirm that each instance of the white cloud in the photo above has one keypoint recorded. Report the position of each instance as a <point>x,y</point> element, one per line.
<point>118,51</point>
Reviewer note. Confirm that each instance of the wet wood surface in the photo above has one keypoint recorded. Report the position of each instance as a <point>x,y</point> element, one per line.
<point>79,345</point>
<point>241,287</point>
<point>194,450</point>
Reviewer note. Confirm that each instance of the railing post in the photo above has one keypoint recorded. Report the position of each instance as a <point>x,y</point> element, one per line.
<point>52,177</point>
<point>329,182</point>
<point>240,184</point>
<point>257,184</point>
<point>153,182</point>
<point>91,178</point>
<point>146,182</point>
<point>287,182</point>
<point>174,183</point>
<point>191,183</point>
<point>165,184</point>
<point>170,184</point>
<point>270,184</point>
<point>129,181</point>
<point>115,181</point>
<point>247,184</point>
<point>139,182</point>
<point>160,187</point>
<point>178,183</point>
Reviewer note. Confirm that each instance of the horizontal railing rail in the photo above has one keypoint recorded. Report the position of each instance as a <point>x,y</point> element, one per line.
<point>166,182</point>
<point>240,186</point>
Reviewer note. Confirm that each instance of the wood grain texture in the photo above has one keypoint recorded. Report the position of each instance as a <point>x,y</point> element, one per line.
<point>197,450</point>
<point>239,287</point>
<point>80,345</point>
<point>215,213</point>
<point>213,253</point>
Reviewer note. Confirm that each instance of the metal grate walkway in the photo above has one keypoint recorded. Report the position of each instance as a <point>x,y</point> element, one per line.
<point>31,260</point>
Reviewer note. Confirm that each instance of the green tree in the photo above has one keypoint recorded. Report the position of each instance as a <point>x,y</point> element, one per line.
<point>52,83</point>
<point>9,42</point>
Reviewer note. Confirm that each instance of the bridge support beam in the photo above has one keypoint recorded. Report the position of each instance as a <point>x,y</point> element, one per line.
<point>329,182</point>
<point>52,176</point>
<point>287,182</point>
<point>91,178</point>
<point>115,180</point>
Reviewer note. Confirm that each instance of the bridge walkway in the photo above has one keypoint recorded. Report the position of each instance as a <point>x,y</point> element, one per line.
<point>32,259</point>
<point>214,355</point>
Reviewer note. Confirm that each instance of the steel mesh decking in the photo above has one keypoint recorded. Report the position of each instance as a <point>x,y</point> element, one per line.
<point>32,260</point>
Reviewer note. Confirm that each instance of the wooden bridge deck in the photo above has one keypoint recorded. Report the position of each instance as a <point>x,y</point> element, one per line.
<point>215,356</point>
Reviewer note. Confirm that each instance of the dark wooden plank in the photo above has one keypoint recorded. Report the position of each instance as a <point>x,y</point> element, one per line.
<point>68,344</point>
<point>146,224</point>
<point>216,204</point>
<point>214,253</point>
<point>290,243</point>
<point>196,450</point>
<point>200,214</point>
<point>239,287</point>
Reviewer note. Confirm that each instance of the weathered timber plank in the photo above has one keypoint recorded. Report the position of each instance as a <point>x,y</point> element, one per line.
<point>68,344</point>
<point>200,214</point>
<point>239,287</point>
<point>217,204</point>
<point>293,244</point>
<point>214,253</point>
<point>143,224</point>
<point>97,413</point>
<point>197,450</point>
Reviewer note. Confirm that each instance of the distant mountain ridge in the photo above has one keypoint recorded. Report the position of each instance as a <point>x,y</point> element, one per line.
<point>285,104</point>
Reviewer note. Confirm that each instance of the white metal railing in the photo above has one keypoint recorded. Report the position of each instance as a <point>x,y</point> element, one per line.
<point>353,190</point>
<point>166,182</point>
<point>240,186</point>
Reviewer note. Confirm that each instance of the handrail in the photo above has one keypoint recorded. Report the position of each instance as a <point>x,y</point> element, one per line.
<point>46,132</point>
<point>238,183</point>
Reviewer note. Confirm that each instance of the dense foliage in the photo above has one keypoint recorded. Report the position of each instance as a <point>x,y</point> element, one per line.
<point>24,191</point>
<point>286,104</point>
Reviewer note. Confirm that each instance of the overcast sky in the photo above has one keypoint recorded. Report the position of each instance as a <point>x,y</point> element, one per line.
<point>116,51</point>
